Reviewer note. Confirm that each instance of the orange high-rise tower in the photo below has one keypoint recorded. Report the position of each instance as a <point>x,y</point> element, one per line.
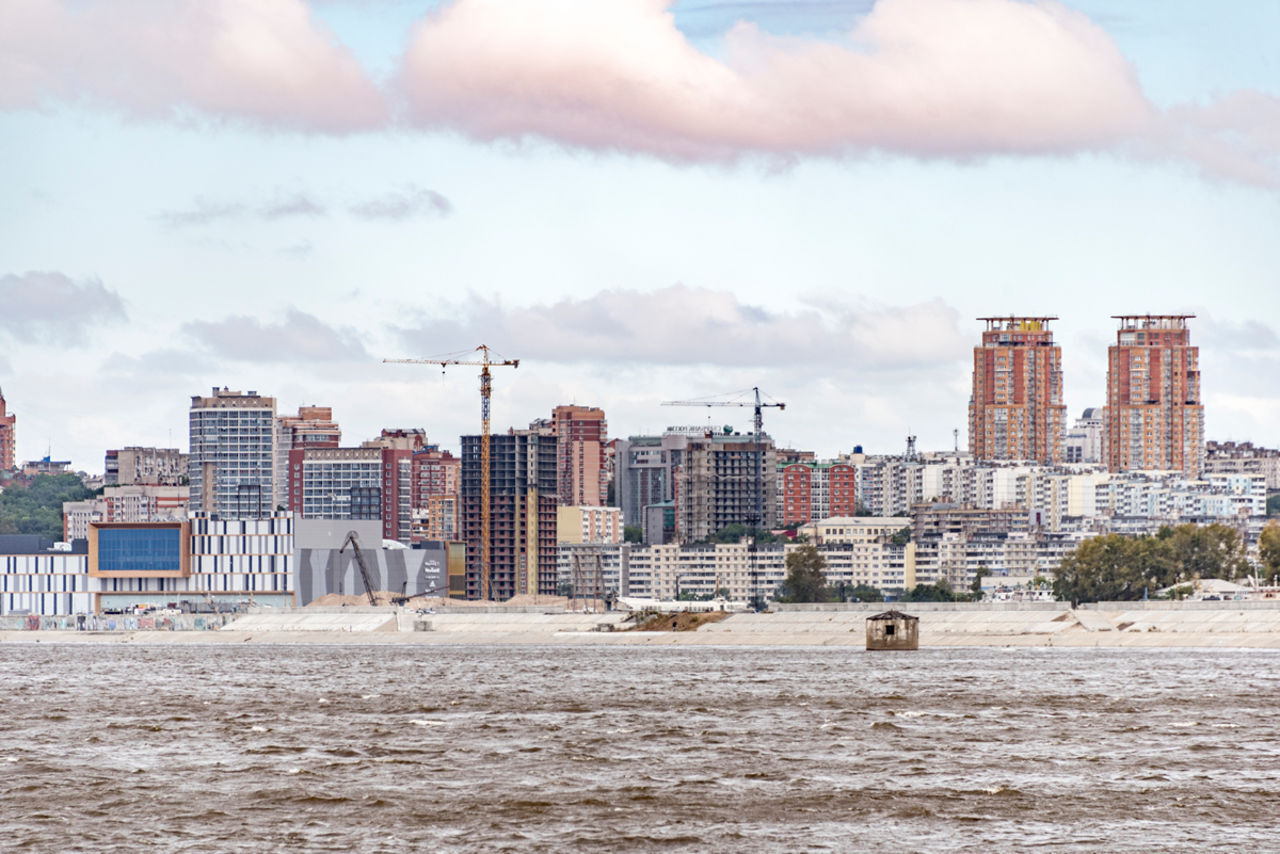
<point>1016,411</point>
<point>1154,419</point>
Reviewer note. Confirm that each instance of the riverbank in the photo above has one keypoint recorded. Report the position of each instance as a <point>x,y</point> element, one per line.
<point>1113,625</point>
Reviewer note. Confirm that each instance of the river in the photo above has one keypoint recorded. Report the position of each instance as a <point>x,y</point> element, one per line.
<point>594,748</point>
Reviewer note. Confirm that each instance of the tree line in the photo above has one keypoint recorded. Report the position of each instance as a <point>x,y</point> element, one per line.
<point>37,508</point>
<point>1115,567</point>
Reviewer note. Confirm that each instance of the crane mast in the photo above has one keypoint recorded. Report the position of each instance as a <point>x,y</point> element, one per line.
<point>486,390</point>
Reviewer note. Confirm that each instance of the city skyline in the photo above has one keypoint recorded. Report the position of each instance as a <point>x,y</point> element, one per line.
<point>299,191</point>
<point>714,420</point>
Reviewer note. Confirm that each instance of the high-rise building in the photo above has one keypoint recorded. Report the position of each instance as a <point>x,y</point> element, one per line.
<point>1016,410</point>
<point>232,463</point>
<point>581,435</point>
<point>522,519</point>
<point>1154,420</point>
<point>8,426</point>
<point>353,484</point>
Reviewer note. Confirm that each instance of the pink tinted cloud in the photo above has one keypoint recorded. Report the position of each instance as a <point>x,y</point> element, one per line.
<point>952,78</point>
<point>268,62</point>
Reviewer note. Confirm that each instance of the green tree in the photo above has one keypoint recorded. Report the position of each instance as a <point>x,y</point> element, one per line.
<point>939,592</point>
<point>1269,550</point>
<point>1099,569</point>
<point>865,593</point>
<point>1208,551</point>
<point>976,585</point>
<point>37,508</point>
<point>901,537</point>
<point>806,576</point>
<point>632,534</point>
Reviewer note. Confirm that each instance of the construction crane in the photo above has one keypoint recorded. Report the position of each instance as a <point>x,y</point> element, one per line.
<point>758,518</point>
<point>486,388</point>
<point>353,540</point>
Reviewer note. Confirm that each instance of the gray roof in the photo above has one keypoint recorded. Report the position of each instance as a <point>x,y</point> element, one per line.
<point>892,615</point>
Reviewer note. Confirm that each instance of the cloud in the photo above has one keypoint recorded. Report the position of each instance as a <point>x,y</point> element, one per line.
<point>679,325</point>
<point>301,337</point>
<point>49,306</point>
<point>396,205</point>
<point>167,362</point>
<point>951,78</point>
<point>265,62</point>
<point>1235,137</point>
<point>202,212</point>
<point>405,204</point>
<point>296,205</point>
<point>1234,337</point>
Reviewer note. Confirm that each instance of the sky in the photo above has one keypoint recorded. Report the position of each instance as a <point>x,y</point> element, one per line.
<point>640,200</point>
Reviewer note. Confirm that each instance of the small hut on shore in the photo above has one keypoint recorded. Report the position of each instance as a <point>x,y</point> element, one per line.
<point>893,630</point>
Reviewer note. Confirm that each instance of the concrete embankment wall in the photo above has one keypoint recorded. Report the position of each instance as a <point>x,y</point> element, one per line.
<point>1122,624</point>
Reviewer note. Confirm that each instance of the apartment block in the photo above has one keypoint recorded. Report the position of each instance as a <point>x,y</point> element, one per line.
<point>1243,458</point>
<point>523,501</point>
<point>145,466</point>
<point>353,484</point>
<point>436,478</point>
<point>1016,410</point>
<point>585,524</point>
<point>810,491</point>
<point>582,435</point>
<point>312,427</point>
<point>232,463</point>
<point>135,503</point>
<point>1154,420</point>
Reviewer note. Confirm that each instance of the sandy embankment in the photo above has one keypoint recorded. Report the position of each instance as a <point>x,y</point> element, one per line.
<point>1056,625</point>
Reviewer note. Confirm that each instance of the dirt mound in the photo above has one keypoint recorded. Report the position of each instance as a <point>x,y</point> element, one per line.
<point>681,621</point>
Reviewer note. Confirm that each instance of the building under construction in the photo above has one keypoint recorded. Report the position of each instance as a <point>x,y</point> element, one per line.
<point>725,478</point>
<point>523,502</point>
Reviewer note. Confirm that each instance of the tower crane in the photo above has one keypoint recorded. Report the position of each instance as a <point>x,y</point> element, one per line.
<point>758,517</point>
<point>486,387</point>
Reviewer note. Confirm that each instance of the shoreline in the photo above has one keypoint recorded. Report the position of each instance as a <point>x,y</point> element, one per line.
<point>1113,626</point>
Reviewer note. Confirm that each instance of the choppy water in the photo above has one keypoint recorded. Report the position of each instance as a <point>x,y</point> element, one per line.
<point>106,747</point>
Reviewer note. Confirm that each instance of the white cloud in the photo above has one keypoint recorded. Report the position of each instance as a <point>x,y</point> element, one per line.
<point>953,78</point>
<point>266,62</point>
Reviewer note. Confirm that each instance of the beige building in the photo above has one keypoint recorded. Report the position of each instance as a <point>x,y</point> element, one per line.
<point>589,524</point>
<point>136,503</point>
